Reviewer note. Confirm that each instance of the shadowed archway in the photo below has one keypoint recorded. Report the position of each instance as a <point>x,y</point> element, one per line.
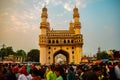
<point>63,53</point>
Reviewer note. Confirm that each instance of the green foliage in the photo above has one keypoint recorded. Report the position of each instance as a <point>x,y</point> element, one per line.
<point>9,51</point>
<point>102,55</point>
<point>6,51</point>
<point>85,56</point>
<point>20,53</point>
<point>33,55</point>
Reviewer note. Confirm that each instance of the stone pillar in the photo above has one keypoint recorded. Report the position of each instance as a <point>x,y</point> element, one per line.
<point>43,53</point>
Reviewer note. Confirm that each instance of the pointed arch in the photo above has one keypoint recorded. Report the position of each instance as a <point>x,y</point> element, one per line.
<point>66,54</point>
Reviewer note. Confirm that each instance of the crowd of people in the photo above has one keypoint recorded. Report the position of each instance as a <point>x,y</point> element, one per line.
<point>86,71</point>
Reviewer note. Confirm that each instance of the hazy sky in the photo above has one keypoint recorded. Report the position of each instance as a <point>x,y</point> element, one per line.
<point>100,19</point>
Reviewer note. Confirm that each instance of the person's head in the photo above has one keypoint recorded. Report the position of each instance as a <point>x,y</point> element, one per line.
<point>81,68</point>
<point>23,70</point>
<point>49,67</point>
<point>52,67</point>
<point>15,69</point>
<point>71,69</point>
<point>97,70</point>
<point>34,72</point>
<point>58,71</point>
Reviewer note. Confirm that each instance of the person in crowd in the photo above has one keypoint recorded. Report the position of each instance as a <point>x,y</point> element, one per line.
<point>105,74</point>
<point>77,73</point>
<point>10,75</point>
<point>51,74</point>
<point>117,70</point>
<point>42,71</point>
<point>15,70</point>
<point>2,77</point>
<point>92,74</point>
<point>59,73</point>
<point>23,73</point>
<point>47,70</point>
<point>35,74</point>
<point>28,68</point>
<point>82,71</point>
<point>112,73</point>
<point>71,74</point>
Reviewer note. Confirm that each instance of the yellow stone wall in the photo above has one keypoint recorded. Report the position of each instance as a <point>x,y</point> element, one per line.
<point>68,49</point>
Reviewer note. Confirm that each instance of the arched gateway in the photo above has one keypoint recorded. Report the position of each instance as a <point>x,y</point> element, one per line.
<point>61,56</point>
<point>60,45</point>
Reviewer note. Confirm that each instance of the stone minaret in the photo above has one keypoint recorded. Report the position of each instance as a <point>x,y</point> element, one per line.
<point>77,24</point>
<point>44,27</point>
<point>78,36</point>
<point>71,27</point>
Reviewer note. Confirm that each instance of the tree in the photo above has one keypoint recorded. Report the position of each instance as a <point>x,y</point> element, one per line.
<point>102,55</point>
<point>33,55</point>
<point>6,52</point>
<point>9,51</point>
<point>20,55</point>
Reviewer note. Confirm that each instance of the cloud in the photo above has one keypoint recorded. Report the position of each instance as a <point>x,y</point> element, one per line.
<point>54,2</point>
<point>22,18</point>
<point>72,3</point>
<point>28,16</point>
<point>13,21</point>
<point>68,7</point>
<point>47,2</point>
<point>61,14</point>
<point>81,3</point>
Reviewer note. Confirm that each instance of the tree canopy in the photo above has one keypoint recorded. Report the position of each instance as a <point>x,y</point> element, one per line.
<point>102,55</point>
<point>20,53</point>
<point>33,55</point>
<point>6,51</point>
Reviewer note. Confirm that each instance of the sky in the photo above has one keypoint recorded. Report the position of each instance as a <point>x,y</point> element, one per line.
<point>100,20</point>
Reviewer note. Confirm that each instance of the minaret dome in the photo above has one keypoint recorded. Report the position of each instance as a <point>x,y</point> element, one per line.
<point>44,9</point>
<point>75,9</point>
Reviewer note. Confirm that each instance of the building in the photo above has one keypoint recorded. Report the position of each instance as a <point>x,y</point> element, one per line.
<point>67,43</point>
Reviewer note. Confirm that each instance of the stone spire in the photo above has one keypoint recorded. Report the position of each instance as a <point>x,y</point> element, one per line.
<point>71,28</point>
<point>44,12</point>
<point>77,24</point>
<point>76,14</point>
<point>44,25</point>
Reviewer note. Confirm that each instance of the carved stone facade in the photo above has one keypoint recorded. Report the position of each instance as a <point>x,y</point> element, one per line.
<point>66,42</point>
